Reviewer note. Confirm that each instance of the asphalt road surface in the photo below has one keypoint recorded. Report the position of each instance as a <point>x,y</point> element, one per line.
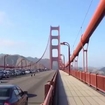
<point>34,85</point>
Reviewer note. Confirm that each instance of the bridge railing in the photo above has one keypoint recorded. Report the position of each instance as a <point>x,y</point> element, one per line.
<point>95,80</point>
<point>49,90</point>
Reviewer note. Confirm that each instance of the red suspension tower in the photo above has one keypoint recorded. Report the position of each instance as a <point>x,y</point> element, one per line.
<point>52,47</point>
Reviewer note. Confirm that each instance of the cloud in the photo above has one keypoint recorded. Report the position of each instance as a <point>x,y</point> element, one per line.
<point>4,20</point>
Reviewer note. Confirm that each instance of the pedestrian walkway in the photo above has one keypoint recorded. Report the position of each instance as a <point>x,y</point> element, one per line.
<point>71,91</point>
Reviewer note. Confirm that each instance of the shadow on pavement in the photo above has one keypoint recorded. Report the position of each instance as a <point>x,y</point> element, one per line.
<point>62,94</point>
<point>31,95</point>
<point>60,97</point>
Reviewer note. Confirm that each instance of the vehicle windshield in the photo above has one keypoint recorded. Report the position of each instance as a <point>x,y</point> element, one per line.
<point>4,92</point>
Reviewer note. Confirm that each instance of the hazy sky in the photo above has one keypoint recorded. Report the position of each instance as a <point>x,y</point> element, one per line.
<point>25,27</point>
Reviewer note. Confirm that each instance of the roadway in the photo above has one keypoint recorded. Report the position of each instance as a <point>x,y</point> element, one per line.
<point>34,85</point>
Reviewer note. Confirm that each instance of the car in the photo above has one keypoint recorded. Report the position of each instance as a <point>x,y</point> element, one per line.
<point>6,74</point>
<point>27,71</point>
<point>1,74</point>
<point>12,95</point>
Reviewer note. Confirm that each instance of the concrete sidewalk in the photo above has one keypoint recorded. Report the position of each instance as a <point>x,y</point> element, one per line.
<point>71,91</point>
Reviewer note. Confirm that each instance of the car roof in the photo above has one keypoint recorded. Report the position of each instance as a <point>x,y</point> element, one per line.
<point>7,86</point>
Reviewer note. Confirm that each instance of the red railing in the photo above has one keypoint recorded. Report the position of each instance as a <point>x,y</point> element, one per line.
<point>48,98</point>
<point>49,88</point>
<point>92,79</point>
<point>100,81</point>
<point>88,78</point>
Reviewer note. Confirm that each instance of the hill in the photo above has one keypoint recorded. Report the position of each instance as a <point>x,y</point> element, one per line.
<point>16,60</point>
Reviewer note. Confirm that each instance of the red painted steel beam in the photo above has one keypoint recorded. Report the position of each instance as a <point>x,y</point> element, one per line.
<point>2,66</point>
<point>96,19</point>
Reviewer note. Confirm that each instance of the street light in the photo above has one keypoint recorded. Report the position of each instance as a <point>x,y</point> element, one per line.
<point>30,66</point>
<point>4,59</point>
<point>67,44</point>
<point>22,64</point>
<point>63,59</point>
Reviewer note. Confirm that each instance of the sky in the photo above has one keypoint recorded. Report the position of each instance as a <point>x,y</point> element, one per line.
<point>25,27</point>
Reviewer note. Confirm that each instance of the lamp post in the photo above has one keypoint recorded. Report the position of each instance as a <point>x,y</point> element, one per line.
<point>30,66</point>
<point>67,44</point>
<point>63,59</point>
<point>22,64</point>
<point>4,59</point>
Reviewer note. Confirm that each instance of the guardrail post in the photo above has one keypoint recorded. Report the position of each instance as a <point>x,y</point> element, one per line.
<point>96,81</point>
<point>47,86</point>
<point>52,83</point>
<point>49,91</point>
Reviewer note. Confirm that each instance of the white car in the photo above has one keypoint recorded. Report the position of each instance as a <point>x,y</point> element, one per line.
<point>27,71</point>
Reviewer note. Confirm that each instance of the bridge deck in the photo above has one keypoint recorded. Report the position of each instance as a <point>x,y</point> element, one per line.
<point>71,91</point>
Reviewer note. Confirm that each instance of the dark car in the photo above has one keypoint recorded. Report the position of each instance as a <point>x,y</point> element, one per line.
<point>1,74</point>
<point>6,74</point>
<point>12,95</point>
